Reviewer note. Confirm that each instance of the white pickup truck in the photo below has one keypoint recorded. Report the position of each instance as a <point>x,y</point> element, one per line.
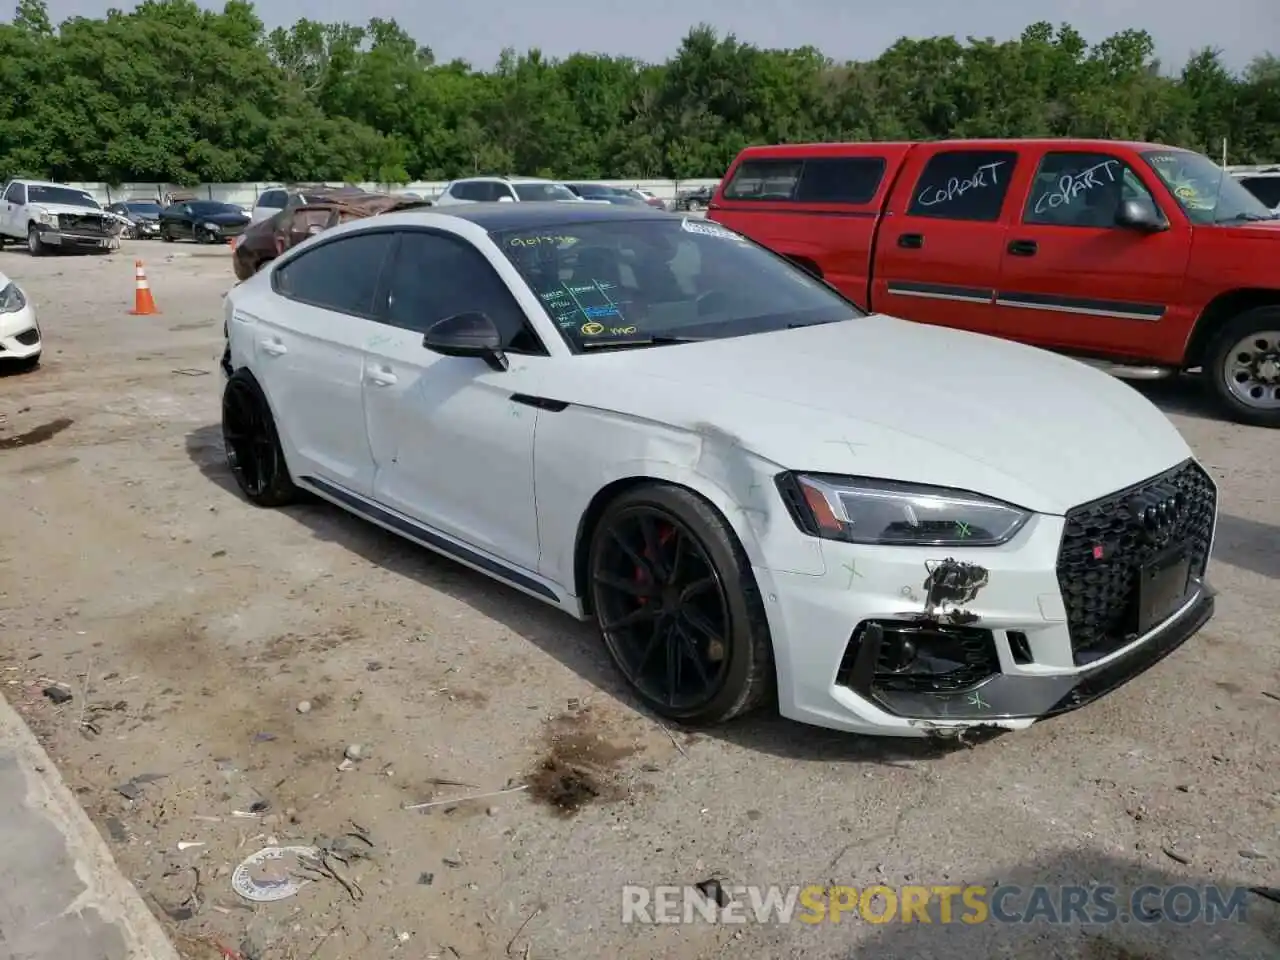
<point>44,215</point>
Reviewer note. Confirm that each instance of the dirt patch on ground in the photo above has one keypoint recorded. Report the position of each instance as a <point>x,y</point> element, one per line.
<point>46,431</point>
<point>581,765</point>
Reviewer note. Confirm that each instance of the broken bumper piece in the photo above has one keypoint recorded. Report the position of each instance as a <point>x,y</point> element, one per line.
<point>1027,697</point>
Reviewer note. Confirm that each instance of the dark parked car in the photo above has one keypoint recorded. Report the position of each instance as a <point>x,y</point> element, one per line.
<point>204,221</point>
<point>599,191</point>
<point>696,199</point>
<point>143,217</point>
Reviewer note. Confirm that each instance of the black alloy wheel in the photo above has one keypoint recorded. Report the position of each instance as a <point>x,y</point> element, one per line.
<point>677,606</point>
<point>252,444</point>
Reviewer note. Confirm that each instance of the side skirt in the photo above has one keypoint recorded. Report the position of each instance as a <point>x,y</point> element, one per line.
<point>396,522</point>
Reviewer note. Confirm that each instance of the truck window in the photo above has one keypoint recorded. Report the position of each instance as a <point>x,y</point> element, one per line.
<point>1073,189</point>
<point>764,180</point>
<point>964,185</point>
<point>17,193</point>
<point>809,180</point>
<point>840,179</point>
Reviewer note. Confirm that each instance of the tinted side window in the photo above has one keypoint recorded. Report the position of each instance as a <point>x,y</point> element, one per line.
<point>17,193</point>
<point>341,275</point>
<point>463,191</point>
<point>1073,189</point>
<point>964,185</point>
<point>434,277</point>
<point>840,179</point>
<point>1266,189</point>
<point>764,180</point>
<point>274,199</point>
<point>499,190</point>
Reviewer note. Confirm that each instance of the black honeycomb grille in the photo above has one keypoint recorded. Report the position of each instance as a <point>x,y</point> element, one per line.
<point>1105,545</point>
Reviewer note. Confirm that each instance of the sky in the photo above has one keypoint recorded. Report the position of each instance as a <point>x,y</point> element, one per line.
<point>477,30</point>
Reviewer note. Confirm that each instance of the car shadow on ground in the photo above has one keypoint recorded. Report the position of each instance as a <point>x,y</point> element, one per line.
<point>574,644</point>
<point>1178,931</point>
<point>1185,395</point>
<point>1248,544</point>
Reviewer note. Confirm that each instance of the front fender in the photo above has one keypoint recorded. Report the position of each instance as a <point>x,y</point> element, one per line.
<point>584,457</point>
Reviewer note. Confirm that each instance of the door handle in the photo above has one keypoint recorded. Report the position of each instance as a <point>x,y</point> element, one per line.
<point>911,241</point>
<point>273,347</point>
<point>383,377</point>
<point>1023,248</point>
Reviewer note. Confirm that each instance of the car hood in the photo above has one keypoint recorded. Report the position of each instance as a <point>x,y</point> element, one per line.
<point>891,399</point>
<point>60,208</point>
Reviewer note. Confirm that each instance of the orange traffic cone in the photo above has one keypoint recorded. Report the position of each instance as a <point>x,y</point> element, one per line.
<point>144,304</point>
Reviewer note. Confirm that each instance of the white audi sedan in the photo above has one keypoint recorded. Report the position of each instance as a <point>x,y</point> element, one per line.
<point>751,486</point>
<point>20,343</point>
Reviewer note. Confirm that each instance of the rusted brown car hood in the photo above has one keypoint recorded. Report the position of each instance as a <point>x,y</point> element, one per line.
<point>267,239</point>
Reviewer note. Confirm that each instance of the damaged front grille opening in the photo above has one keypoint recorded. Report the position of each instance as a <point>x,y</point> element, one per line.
<point>1020,646</point>
<point>907,657</point>
<point>1107,544</point>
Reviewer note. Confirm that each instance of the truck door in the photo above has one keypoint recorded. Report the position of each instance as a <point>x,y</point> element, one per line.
<point>939,247</point>
<point>1073,279</point>
<point>12,204</point>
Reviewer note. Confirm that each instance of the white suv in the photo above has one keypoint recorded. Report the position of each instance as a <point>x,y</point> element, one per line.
<point>507,190</point>
<point>1263,184</point>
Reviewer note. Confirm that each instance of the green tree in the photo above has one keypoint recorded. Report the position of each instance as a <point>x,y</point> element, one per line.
<point>174,92</point>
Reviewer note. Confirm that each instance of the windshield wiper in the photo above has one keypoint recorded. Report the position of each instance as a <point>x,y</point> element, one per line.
<point>657,340</point>
<point>1248,218</point>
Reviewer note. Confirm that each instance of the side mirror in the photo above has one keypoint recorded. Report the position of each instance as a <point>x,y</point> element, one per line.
<point>467,335</point>
<point>1139,216</point>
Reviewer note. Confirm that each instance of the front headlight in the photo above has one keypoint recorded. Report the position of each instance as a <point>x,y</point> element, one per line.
<point>861,510</point>
<point>11,299</point>
<point>211,226</point>
<point>49,219</point>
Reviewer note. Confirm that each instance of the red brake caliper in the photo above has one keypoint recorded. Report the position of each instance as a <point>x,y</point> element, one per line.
<point>642,577</point>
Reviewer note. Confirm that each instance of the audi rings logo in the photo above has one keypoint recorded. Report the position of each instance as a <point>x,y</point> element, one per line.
<point>1158,518</point>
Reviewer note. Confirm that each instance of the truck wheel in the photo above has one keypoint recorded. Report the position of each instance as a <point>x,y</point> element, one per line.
<point>1243,367</point>
<point>34,245</point>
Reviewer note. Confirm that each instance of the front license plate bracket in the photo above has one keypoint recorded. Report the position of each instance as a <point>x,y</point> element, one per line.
<point>1163,585</point>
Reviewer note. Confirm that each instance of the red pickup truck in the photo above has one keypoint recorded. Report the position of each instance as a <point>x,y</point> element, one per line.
<point>1142,258</point>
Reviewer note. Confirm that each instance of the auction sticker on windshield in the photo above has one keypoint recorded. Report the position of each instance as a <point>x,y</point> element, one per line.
<point>705,229</point>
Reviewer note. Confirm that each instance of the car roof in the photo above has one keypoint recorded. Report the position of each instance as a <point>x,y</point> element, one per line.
<point>48,183</point>
<point>501,179</point>
<point>496,217</point>
<point>785,150</point>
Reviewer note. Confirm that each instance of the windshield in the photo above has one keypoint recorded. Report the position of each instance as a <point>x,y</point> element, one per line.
<point>68,195</point>
<point>143,206</point>
<point>534,192</point>
<point>622,281</point>
<point>210,207</point>
<point>1205,194</point>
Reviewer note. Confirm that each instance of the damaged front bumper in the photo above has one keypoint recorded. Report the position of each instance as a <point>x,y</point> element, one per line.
<point>1037,697</point>
<point>67,238</point>
<point>866,646</point>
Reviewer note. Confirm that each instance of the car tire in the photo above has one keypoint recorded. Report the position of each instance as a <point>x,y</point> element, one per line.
<point>742,656</point>
<point>165,235</point>
<point>1222,366</point>
<point>35,246</point>
<point>252,445</point>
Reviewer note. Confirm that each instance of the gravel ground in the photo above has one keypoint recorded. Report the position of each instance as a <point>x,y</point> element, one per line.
<point>189,627</point>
